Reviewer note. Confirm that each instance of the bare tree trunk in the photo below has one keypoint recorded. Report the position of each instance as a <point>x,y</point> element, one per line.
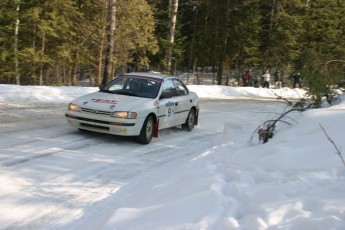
<point>220,71</point>
<point>42,53</point>
<point>66,75</point>
<point>34,74</point>
<point>74,73</point>
<point>193,39</point>
<point>41,75</point>
<point>110,46</point>
<point>58,76</point>
<point>171,38</point>
<point>274,3</point>
<point>48,78</point>
<point>69,75</point>
<point>16,31</point>
<point>222,55</point>
<point>194,68</point>
<point>98,80</point>
<point>100,60</point>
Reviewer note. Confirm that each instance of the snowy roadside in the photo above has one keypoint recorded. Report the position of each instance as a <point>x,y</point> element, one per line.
<point>67,93</point>
<point>54,177</point>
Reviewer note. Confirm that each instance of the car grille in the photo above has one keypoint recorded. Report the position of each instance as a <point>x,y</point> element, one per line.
<point>97,121</point>
<point>100,112</point>
<point>94,126</point>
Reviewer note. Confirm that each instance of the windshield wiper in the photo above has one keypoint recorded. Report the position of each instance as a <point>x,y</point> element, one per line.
<point>126,93</point>
<point>108,91</point>
<point>104,90</point>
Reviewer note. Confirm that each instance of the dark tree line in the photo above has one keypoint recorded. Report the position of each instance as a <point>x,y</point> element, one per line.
<point>56,42</point>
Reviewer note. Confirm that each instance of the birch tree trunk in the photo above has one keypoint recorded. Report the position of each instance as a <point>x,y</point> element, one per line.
<point>16,32</point>
<point>100,61</point>
<point>42,53</point>
<point>171,38</point>
<point>99,80</point>
<point>108,65</point>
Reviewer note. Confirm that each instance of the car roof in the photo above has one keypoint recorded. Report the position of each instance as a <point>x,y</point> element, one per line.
<point>148,74</point>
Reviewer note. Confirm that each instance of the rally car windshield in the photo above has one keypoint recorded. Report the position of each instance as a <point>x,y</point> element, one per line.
<point>134,86</point>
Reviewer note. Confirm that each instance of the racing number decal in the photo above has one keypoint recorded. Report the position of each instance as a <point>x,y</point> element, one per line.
<point>170,108</point>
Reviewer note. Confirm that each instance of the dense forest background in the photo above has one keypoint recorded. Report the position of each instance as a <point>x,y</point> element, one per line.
<point>58,42</point>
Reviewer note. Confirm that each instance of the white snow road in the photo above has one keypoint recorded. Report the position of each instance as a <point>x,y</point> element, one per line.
<point>57,177</point>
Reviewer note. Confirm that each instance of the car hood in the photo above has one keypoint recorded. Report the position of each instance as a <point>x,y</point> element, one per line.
<point>110,102</point>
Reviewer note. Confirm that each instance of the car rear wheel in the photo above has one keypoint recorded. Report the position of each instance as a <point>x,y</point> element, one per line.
<point>146,132</point>
<point>189,125</point>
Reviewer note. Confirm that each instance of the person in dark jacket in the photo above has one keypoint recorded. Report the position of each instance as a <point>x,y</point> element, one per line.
<point>297,80</point>
<point>277,78</point>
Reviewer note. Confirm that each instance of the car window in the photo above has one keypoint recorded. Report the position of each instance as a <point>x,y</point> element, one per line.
<point>134,86</point>
<point>117,84</point>
<point>181,89</point>
<point>169,87</point>
<point>175,87</point>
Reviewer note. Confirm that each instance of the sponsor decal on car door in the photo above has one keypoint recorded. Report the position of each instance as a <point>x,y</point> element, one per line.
<point>166,113</point>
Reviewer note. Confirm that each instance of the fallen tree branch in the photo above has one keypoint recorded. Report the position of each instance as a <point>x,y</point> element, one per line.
<point>334,145</point>
<point>267,129</point>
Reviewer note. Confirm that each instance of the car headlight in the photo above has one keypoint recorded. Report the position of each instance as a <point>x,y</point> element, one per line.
<point>73,107</point>
<point>125,115</point>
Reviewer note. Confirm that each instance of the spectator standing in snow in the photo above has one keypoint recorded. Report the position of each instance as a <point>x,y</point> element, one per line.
<point>256,81</point>
<point>297,80</point>
<point>247,78</point>
<point>277,78</point>
<point>266,79</point>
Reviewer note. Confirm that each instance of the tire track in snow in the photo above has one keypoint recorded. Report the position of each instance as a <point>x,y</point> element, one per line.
<point>69,176</point>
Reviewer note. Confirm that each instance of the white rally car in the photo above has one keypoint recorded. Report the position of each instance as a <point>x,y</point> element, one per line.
<point>136,104</point>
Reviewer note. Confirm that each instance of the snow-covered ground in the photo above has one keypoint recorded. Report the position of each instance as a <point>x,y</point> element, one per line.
<point>55,177</point>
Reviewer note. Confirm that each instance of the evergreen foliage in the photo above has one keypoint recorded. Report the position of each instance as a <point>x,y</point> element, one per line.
<point>323,59</point>
<point>60,42</point>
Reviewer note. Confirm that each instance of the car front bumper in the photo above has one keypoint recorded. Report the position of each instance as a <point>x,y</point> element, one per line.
<point>109,125</point>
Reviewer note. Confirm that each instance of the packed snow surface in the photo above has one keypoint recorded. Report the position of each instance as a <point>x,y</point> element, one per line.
<point>219,176</point>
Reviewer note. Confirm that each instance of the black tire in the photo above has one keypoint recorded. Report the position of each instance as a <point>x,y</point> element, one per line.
<point>189,125</point>
<point>146,132</point>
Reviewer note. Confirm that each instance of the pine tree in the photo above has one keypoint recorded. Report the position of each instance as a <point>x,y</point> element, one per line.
<point>8,19</point>
<point>282,30</point>
<point>323,59</point>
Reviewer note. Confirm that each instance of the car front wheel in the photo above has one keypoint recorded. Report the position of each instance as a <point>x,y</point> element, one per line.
<point>189,125</point>
<point>146,132</point>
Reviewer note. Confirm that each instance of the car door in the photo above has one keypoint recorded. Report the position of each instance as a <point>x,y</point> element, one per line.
<point>182,102</point>
<point>166,113</point>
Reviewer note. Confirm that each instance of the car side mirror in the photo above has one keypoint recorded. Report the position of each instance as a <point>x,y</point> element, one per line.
<point>100,86</point>
<point>166,94</point>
